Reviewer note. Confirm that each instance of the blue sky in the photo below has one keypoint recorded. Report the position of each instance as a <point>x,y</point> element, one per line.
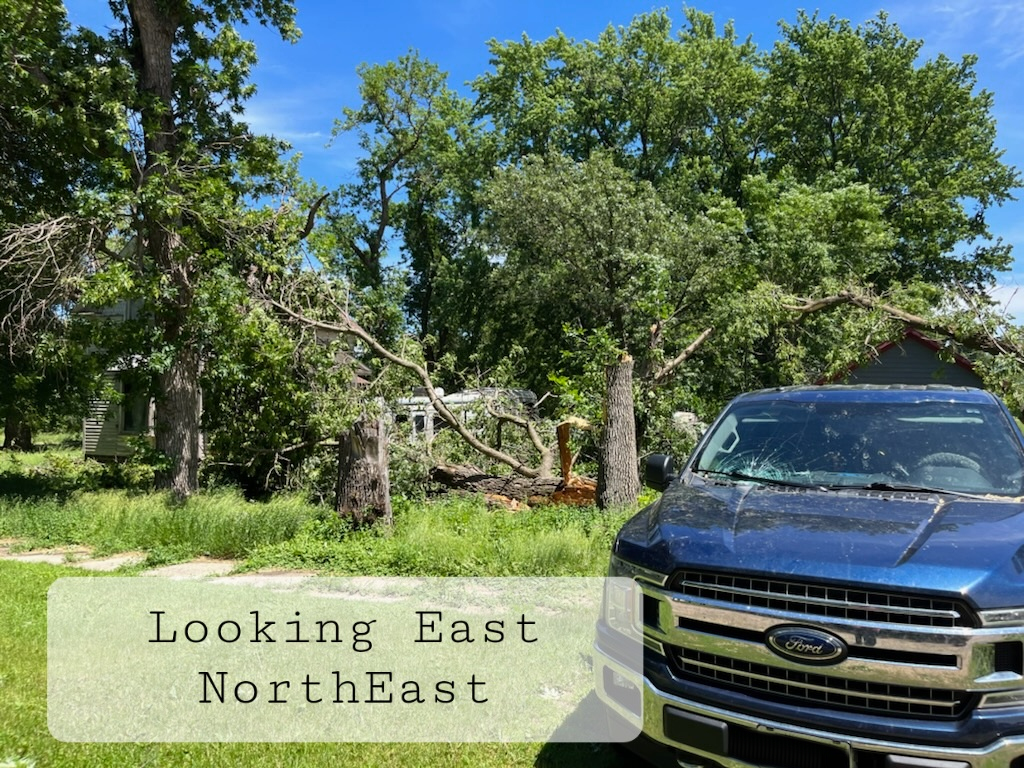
<point>304,87</point>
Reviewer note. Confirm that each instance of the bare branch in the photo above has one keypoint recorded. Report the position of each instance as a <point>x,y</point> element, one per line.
<point>667,369</point>
<point>546,455</point>
<point>43,266</point>
<point>348,326</point>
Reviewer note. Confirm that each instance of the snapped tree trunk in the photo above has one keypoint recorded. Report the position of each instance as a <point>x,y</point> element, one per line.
<point>618,481</point>
<point>363,490</point>
<point>178,424</point>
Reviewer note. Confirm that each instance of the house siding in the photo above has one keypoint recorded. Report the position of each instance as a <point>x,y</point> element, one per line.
<point>104,433</point>
<point>911,362</point>
<point>101,430</point>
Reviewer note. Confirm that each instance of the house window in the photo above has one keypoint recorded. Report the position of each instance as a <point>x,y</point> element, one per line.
<point>134,409</point>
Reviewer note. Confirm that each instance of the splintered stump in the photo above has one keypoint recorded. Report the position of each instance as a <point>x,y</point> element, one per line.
<point>538,490</point>
<point>362,492</point>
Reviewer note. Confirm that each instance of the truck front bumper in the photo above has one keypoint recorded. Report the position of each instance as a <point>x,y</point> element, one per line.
<point>678,732</point>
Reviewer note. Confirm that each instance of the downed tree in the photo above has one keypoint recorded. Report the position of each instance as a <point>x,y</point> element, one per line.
<point>533,490</point>
<point>345,325</point>
<point>939,326</point>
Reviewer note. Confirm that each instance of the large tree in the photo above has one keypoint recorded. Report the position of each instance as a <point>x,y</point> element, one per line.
<point>873,185</point>
<point>673,109</point>
<point>585,248</point>
<point>47,151</point>
<point>699,112</point>
<point>192,161</point>
<point>168,216</point>
<point>919,133</point>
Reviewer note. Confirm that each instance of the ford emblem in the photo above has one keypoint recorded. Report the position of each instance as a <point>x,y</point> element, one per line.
<point>806,645</point>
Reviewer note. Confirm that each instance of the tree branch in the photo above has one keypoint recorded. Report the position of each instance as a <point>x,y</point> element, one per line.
<point>42,268</point>
<point>668,368</point>
<point>349,327</point>
<point>311,218</point>
<point>547,460</point>
<point>982,341</point>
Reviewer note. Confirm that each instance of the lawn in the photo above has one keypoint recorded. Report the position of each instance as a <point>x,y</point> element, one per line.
<point>52,498</point>
<point>25,740</point>
<point>456,536</point>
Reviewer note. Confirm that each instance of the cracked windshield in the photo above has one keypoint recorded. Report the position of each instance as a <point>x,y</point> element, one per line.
<point>935,446</point>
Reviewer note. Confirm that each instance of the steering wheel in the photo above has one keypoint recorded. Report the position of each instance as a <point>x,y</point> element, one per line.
<point>946,459</point>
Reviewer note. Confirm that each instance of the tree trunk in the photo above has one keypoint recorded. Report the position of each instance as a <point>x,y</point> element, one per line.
<point>178,424</point>
<point>363,490</point>
<point>179,398</point>
<point>467,478</point>
<point>17,432</point>
<point>618,481</point>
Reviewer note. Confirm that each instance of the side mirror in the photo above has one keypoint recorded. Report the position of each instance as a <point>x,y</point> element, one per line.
<point>659,471</point>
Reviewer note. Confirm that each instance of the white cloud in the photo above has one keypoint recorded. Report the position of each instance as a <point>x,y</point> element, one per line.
<point>283,125</point>
<point>993,29</point>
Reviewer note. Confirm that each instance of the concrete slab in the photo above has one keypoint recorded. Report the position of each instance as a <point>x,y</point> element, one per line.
<point>51,558</point>
<point>197,569</point>
<point>112,563</point>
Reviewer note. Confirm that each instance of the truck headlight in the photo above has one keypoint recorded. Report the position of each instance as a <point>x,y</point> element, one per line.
<point>622,605</point>
<point>1002,617</point>
<point>620,567</point>
<point>623,597</point>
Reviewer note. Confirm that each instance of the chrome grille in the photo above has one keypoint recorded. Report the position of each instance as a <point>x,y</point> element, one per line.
<point>806,688</point>
<point>824,600</point>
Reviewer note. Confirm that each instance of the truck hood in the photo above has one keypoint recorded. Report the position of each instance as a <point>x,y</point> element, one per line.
<point>931,542</point>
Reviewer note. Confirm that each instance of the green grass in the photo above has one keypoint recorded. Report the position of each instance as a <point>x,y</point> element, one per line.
<point>53,497</point>
<point>457,536</point>
<point>45,454</point>
<point>454,537</point>
<point>217,523</point>
<point>25,739</point>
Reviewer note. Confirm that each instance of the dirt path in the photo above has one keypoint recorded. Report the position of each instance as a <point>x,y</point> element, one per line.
<point>82,557</point>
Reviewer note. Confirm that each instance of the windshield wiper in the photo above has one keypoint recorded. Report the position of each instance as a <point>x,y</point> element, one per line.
<point>759,479</point>
<point>908,488</point>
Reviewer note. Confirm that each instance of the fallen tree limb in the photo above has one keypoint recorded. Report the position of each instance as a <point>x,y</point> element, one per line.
<point>983,342</point>
<point>546,457</point>
<point>547,489</point>
<point>669,368</point>
<point>349,327</point>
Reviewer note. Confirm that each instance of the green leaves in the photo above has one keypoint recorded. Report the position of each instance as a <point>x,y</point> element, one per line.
<point>409,127</point>
<point>583,243</point>
<point>919,134</point>
<point>802,236</point>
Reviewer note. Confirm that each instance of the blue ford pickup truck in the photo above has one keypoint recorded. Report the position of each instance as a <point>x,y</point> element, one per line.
<point>832,580</point>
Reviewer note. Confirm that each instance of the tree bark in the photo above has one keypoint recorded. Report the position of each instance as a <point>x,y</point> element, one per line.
<point>618,480</point>
<point>473,480</point>
<point>179,399</point>
<point>17,432</point>
<point>178,424</point>
<point>363,489</point>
